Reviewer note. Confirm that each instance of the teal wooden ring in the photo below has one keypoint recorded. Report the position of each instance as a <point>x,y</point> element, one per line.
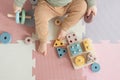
<point>23,17</point>
<point>18,17</point>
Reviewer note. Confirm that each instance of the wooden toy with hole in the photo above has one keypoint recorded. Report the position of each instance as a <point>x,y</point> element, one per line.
<point>71,38</point>
<point>5,38</point>
<point>87,45</point>
<point>58,43</point>
<point>28,40</point>
<point>81,53</point>
<point>20,16</point>
<point>77,56</point>
<point>61,51</point>
<point>58,21</point>
<point>75,49</point>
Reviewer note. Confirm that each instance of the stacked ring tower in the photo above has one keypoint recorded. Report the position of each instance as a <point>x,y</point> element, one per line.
<point>20,17</point>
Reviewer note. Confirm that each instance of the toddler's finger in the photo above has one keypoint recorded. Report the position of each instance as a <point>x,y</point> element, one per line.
<point>95,13</point>
<point>59,37</point>
<point>89,12</point>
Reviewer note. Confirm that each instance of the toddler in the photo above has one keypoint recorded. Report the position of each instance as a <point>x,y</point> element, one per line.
<point>48,9</point>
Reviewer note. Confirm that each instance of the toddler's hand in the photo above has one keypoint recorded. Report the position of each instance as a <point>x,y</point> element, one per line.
<point>61,35</point>
<point>16,8</point>
<point>92,10</point>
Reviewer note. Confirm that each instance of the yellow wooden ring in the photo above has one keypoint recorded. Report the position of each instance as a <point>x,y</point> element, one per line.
<point>79,60</point>
<point>58,22</point>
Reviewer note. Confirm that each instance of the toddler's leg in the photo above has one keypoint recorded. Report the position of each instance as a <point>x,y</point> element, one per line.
<point>75,12</point>
<point>42,15</point>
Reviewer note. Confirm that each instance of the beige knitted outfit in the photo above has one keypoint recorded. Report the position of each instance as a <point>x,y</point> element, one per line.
<point>44,12</point>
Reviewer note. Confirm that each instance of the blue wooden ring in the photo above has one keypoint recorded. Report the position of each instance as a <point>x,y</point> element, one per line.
<point>95,67</point>
<point>18,17</point>
<point>5,38</point>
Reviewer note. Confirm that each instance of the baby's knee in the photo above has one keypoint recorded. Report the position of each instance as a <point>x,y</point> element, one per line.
<point>82,6</point>
<point>78,6</point>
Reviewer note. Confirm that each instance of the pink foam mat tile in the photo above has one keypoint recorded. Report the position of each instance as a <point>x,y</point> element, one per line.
<point>108,57</point>
<point>51,67</point>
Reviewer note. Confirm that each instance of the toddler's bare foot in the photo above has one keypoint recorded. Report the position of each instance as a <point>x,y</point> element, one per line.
<point>43,48</point>
<point>61,34</point>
